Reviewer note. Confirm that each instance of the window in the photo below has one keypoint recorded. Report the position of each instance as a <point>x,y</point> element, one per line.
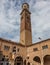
<point>3,59</point>
<point>4,56</point>
<point>21,17</point>
<point>45,47</point>
<point>27,17</point>
<point>7,64</point>
<point>27,57</point>
<point>35,49</point>
<point>6,47</point>
<point>14,49</point>
<point>7,56</point>
<point>17,49</point>
<point>1,63</point>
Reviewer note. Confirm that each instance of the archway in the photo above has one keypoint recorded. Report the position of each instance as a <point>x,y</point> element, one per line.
<point>18,61</point>
<point>28,63</point>
<point>24,62</point>
<point>47,60</point>
<point>36,60</point>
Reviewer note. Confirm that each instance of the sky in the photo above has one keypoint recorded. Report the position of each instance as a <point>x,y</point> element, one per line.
<point>10,19</point>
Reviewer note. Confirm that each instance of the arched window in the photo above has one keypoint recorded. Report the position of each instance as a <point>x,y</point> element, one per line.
<point>37,59</point>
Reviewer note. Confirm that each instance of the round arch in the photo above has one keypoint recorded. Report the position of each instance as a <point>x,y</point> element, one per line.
<point>37,59</point>
<point>24,62</point>
<point>28,63</point>
<point>18,61</point>
<point>46,60</point>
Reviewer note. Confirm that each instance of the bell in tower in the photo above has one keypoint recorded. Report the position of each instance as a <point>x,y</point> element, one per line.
<point>25,28</point>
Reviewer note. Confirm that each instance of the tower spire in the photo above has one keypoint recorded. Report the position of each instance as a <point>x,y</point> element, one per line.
<point>25,29</point>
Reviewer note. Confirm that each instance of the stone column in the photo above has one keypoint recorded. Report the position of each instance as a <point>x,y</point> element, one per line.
<point>11,62</point>
<point>30,63</point>
<point>42,61</point>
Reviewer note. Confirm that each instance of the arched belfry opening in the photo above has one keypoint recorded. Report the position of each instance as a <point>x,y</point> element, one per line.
<point>36,60</point>
<point>47,60</point>
<point>18,61</point>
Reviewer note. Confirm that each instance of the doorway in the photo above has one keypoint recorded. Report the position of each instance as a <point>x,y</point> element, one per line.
<point>47,60</point>
<point>18,61</point>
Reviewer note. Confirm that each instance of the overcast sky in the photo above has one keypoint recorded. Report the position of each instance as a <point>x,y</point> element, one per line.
<point>10,19</point>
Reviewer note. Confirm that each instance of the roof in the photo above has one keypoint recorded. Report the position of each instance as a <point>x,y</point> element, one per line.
<point>12,42</point>
<point>18,43</point>
<point>39,42</point>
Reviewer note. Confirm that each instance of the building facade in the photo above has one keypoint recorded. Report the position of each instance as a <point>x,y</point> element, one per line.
<point>25,52</point>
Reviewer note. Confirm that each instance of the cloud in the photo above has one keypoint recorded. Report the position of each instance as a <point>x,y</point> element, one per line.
<point>10,19</point>
<point>41,19</point>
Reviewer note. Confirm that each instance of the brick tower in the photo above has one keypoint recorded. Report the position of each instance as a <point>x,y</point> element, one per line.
<point>25,28</point>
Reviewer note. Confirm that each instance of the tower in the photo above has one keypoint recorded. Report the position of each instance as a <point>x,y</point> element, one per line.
<point>25,28</point>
